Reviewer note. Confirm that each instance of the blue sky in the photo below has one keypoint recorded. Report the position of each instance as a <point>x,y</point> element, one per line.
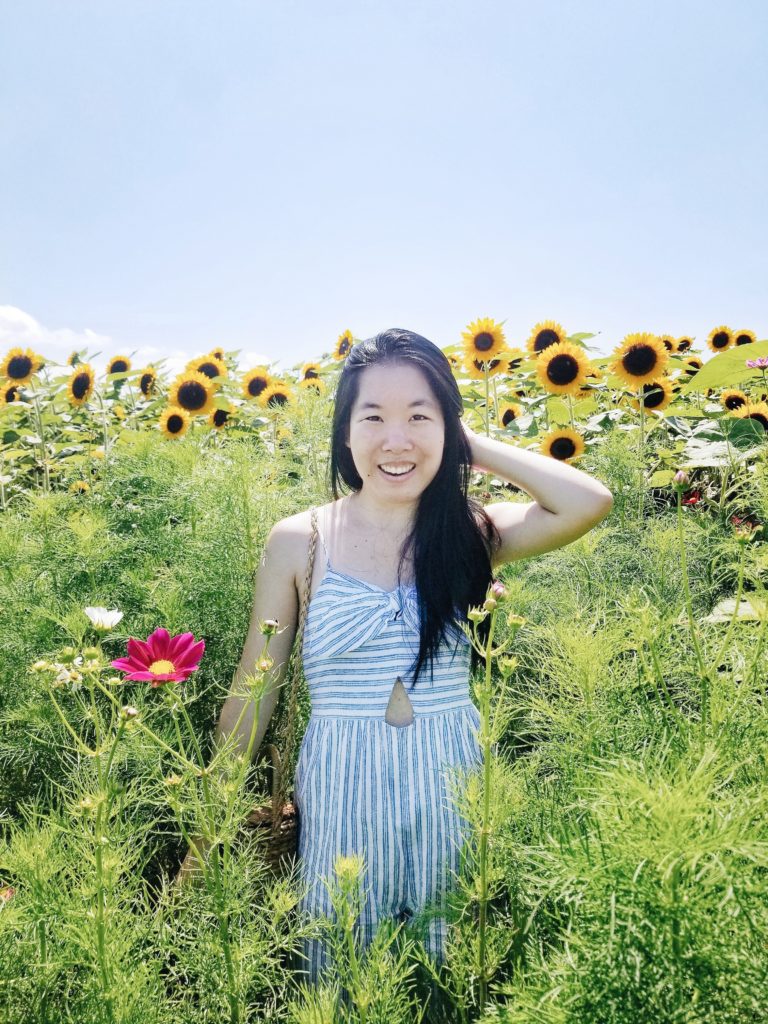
<point>265,175</point>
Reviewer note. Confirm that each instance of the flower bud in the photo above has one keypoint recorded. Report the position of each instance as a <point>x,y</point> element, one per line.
<point>490,604</point>
<point>128,712</point>
<point>515,620</point>
<point>265,663</point>
<point>269,627</point>
<point>498,590</point>
<point>348,868</point>
<point>681,479</point>
<point>91,652</point>
<point>507,666</point>
<point>173,779</point>
<point>476,614</point>
<point>67,655</point>
<point>40,666</point>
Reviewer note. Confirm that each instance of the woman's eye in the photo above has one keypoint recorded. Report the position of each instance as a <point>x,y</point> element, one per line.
<point>419,416</point>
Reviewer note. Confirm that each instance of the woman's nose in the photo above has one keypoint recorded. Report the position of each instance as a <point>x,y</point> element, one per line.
<point>397,439</point>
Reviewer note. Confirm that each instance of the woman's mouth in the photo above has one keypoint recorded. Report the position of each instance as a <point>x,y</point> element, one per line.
<point>397,470</point>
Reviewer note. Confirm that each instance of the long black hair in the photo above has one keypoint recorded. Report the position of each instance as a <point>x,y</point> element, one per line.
<point>452,534</point>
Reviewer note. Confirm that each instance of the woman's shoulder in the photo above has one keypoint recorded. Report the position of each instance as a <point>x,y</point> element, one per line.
<point>291,535</point>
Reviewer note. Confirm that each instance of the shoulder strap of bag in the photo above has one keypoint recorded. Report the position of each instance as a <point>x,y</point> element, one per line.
<point>293,676</point>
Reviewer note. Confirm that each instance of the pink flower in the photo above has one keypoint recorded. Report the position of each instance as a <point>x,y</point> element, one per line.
<point>7,893</point>
<point>498,590</point>
<point>161,658</point>
<point>761,363</point>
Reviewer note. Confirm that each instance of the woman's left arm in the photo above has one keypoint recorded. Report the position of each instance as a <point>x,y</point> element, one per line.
<point>567,502</point>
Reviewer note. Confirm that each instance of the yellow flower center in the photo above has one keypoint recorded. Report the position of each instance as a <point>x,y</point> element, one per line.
<point>161,668</point>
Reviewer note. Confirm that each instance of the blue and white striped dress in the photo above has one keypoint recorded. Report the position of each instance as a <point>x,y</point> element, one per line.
<point>364,786</point>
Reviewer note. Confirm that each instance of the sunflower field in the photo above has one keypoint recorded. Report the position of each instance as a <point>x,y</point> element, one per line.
<point>618,866</point>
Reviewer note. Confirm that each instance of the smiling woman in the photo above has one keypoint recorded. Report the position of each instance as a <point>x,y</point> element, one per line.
<point>402,554</point>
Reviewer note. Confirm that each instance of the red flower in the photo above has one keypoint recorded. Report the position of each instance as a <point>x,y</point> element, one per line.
<point>161,658</point>
<point>692,498</point>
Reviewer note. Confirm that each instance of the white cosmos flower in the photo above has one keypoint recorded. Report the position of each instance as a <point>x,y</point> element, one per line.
<point>102,618</point>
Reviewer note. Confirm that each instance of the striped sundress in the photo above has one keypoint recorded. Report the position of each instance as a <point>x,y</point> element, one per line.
<point>365,786</point>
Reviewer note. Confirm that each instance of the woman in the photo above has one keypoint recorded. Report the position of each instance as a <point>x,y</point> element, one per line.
<point>399,561</point>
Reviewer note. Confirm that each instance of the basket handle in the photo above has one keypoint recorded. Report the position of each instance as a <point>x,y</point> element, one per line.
<point>274,755</point>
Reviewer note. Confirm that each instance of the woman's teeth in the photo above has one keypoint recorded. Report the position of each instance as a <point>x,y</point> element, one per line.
<point>397,470</point>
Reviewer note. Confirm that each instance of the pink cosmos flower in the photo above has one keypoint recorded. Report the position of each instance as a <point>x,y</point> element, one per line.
<point>761,363</point>
<point>161,658</point>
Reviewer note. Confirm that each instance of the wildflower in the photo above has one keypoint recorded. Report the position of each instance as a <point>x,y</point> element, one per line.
<point>256,381</point>
<point>507,666</point>
<point>692,498</point>
<point>6,894</point>
<point>348,868</point>
<point>498,590</point>
<point>173,779</point>
<point>720,338</point>
<point>547,333</point>
<point>343,345</point>
<point>640,359</point>
<point>67,655</point>
<point>41,665</point>
<point>128,711</point>
<point>80,386</point>
<point>147,381</point>
<point>758,364</point>
<point>161,658</point>
<point>563,444</point>
<point>103,619</point>
<point>269,627</point>
<point>562,369</point>
<point>681,480</point>
<point>265,664</point>
<point>476,614</point>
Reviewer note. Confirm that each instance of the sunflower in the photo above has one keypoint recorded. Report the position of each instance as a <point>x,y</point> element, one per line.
<point>80,386</point>
<point>9,393</point>
<point>482,341</point>
<point>209,365</point>
<point>744,338</point>
<point>118,364</point>
<point>79,487</point>
<point>656,394</point>
<point>147,381</point>
<point>547,333</point>
<point>217,353</point>
<point>477,368</point>
<point>508,413</point>
<point>275,396</point>
<point>640,359</point>
<point>515,359</point>
<point>669,343</point>
<point>691,366</point>
<point>343,345</point>
<point>174,421</point>
<point>192,391</point>
<point>256,381</point>
<point>119,411</point>
<point>312,384</point>
<point>562,369</point>
<point>720,338</point>
<point>310,371</point>
<point>754,411</point>
<point>73,358</point>
<point>732,399</point>
<point>684,344</point>
<point>563,444</point>
<point>19,365</point>
<point>219,417</point>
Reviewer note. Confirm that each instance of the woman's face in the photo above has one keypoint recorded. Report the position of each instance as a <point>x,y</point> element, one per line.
<point>396,432</point>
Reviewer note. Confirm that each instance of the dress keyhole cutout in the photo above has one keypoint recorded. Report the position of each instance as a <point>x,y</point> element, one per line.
<point>399,709</point>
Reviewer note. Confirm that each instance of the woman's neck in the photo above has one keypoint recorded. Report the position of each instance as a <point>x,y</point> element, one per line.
<point>395,521</point>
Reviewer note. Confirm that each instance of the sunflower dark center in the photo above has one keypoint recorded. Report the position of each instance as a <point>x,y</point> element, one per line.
<point>175,423</point>
<point>146,383</point>
<point>734,402</point>
<point>761,418</point>
<point>118,366</point>
<point>480,364</point>
<point>684,344</point>
<point>192,395</point>
<point>563,369</point>
<point>19,366</point>
<point>640,359</point>
<point>220,417</point>
<point>721,339</point>
<point>311,375</point>
<point>743,339</point>
<point>277,399</point>
<point>544,339</point>
<point>209,369</point>
<point>563,448</point>
<point>343,346</point>
<point>653,395</point>
<point>508,417</point>
<point>483,341</point>
<point>80,385</point>
<point>11,393</point>
<point>256,385</point>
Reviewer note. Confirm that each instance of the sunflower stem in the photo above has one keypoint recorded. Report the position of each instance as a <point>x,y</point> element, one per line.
<point>41,435</point>
<point>704,672</point>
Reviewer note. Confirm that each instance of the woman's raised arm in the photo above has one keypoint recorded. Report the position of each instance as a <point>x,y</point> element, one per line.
<point>568,502</point>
